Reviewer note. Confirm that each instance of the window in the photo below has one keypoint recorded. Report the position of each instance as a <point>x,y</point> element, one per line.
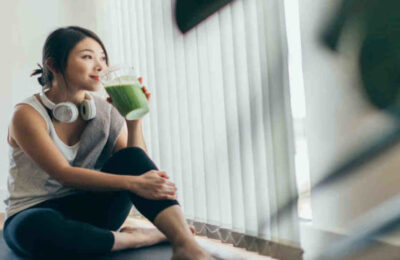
<point>298,107</point>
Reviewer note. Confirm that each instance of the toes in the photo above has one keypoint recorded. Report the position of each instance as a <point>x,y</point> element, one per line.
<point>192,229</point>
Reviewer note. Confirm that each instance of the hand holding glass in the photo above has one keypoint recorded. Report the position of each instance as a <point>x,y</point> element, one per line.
<point>125,91</point>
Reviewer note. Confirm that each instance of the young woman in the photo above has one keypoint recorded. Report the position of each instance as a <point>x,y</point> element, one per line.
<point>74,173</point>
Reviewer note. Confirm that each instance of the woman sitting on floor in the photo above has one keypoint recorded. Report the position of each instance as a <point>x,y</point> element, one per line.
<point>72,181</point>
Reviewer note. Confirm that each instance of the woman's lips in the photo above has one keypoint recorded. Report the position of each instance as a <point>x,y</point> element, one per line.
<point>95,77</point>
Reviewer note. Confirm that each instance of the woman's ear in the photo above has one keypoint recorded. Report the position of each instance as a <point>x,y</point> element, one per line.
<point>50,64</point>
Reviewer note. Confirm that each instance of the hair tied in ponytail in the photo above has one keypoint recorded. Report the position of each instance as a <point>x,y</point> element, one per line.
<point>39,71</point>
<point>40,68</point>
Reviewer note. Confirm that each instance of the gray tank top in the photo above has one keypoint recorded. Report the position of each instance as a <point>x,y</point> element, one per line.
<point>28,184</point>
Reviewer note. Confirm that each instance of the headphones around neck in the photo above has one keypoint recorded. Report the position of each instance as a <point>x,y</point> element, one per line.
<point>67,112</point>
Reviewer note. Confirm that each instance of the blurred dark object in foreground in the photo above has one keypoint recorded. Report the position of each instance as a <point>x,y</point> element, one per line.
<point>378,22</point>
<point>189,13</point>
<point>379,64</point>
<point>379,57</point>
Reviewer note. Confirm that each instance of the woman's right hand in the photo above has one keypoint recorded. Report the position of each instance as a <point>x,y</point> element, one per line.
<point>154,185</point>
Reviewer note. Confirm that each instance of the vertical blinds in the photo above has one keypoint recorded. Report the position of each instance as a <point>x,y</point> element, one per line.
<point>220,120</point>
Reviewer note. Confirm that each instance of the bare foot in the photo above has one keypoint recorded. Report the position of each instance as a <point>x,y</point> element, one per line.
<point>132,223</point>
<point>144,236</point>
<point>190,251</point>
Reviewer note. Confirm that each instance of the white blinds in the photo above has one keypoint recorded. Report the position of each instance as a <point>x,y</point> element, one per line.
<point>220,121</point>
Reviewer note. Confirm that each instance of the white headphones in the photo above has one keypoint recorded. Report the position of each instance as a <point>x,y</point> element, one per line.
<point>67,111</point>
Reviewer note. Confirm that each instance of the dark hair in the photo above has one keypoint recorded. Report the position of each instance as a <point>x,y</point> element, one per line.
<point>58,45</point>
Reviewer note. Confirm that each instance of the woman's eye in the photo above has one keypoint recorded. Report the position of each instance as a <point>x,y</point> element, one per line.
<point>104,58</point>
<point>87,56</point>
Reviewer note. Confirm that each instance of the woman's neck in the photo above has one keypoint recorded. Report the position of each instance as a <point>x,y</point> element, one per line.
<point>58,95</point>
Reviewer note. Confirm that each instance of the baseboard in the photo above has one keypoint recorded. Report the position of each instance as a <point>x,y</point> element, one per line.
<point>314,241</point>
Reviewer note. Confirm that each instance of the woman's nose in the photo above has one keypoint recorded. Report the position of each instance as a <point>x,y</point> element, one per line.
<point>100,66</point>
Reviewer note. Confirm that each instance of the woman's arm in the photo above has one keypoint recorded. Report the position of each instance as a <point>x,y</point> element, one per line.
<point>87,179</point>
<point>135,134</point>
<point>131,135</point>
<point>29,131</point>
<point>152,184</point>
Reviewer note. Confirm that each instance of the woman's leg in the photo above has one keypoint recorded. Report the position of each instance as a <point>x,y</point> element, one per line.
<point>173,224</point>
<point>165,214</point>
<point>82,226</point>
<point>134,161</point>
<point>106,210</point>
<point>44,233</point>
<point>76,225</point>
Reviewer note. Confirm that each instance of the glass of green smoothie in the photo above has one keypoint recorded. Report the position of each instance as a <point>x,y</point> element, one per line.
<point>125,91</point>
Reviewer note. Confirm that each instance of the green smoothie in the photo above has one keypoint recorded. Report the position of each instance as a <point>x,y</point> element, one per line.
<point>129,99</point>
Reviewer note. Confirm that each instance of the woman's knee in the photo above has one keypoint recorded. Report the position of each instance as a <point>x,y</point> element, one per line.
<point>28,227</point>
<point>32,222</point>
<point>128,151</point>
<point>29,218</point>
<point>130,160</point>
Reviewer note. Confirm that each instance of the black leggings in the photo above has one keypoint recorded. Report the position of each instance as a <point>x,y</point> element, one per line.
<point>81,224</point>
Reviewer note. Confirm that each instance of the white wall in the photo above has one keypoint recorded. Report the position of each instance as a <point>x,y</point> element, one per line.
<point>338,121</point>
<point>25,26</point>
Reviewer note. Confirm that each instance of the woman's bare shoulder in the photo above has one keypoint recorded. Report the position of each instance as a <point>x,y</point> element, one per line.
<point>29,130</point>
<point>24,113</point>
<point>24,116</point>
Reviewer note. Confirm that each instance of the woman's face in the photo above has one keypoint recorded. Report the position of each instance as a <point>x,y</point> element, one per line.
<point>85,62</point>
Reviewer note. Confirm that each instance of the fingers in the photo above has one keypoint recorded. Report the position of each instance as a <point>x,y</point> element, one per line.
<point>169,187</point>
<point>169,191</point>
<point>169,196</point>
<point>163,189</point>
<point>145,91</point>
<point>163,174</point>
